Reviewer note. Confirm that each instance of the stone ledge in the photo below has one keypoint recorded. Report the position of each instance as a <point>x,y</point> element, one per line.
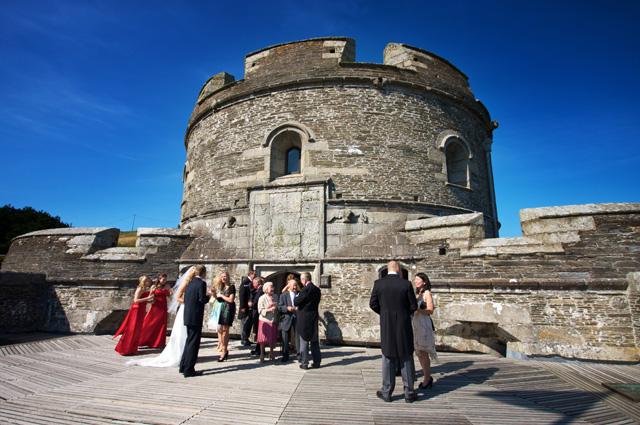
<point>446,221</point>
<point>127,255</point>
<point>70,231</point>
<point>163,231</point>
<point>529,214</point>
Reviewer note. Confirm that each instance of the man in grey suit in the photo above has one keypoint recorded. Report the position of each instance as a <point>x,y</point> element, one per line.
<point>287,322</point>
<point>393,299</point>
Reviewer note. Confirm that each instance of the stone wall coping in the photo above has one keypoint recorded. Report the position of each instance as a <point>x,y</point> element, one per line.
<point>432,55</point>
<point>69,231</point>
<point>532,284</point>
<point>163,231</point>
<point>445,221</point>
<point>529,214</point>
<point>255,52</point>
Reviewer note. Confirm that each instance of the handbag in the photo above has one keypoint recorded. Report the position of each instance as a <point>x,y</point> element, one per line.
<point>214,316</point>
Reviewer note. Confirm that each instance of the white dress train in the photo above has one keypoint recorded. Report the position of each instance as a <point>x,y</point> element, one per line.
<point>172,353</point>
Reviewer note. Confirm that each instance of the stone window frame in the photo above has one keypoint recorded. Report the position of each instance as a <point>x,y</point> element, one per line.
<point>306,136</point>
<point>445,139</point>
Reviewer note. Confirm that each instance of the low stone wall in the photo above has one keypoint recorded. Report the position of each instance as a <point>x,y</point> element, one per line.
<point>568,287</point>
<point>24,300</point>
<point>86,282</point>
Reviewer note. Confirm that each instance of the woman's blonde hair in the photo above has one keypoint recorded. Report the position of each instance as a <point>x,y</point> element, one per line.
<point>141,280</point>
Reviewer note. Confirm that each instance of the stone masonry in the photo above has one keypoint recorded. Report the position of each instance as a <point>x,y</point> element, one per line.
<point>394,163</point>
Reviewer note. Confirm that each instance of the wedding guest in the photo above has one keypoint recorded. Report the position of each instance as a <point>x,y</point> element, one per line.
<point>132,324</point>
<point>393,299</point>
<point>287,320</point>
<point>267,330</point>
<point>226,294</point>
<point>307,318</point>
<point>244,312</point>
<point>256,293</point>
<point>424,339</point>
<point>154,326</point>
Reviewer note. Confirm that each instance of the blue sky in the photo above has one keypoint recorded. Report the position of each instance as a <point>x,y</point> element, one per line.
<point>95,96</point>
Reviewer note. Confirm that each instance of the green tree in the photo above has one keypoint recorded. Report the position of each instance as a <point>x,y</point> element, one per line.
<point>18,221</point>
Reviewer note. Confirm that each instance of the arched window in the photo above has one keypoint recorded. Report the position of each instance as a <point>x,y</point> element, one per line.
<point>457,162</point>
<point>293,161</point>
<point>286,150</point>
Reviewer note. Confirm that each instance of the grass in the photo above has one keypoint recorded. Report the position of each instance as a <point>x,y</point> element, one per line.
<point>127,239</point>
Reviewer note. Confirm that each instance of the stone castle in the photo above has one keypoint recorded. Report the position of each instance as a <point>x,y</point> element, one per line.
<point>315,162</point>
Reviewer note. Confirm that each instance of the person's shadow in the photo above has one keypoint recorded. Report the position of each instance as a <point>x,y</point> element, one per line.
<point>455,381</point>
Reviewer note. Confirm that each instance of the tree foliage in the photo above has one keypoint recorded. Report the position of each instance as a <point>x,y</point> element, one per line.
<point>18,221</point>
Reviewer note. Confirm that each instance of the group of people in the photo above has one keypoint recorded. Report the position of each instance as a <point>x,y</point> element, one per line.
<point>142,328</point>
<point>405,322</point>
<point>294,314</point>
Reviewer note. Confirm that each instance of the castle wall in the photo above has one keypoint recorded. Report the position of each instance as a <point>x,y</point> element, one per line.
<point>78,281</point>
<point>376,131</point>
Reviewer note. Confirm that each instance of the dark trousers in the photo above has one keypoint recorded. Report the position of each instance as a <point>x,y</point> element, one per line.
<point>191,348</point>
<point>389,367</point>
<point>315,349</point>
<point>286,340</point>
<point>246,326</point>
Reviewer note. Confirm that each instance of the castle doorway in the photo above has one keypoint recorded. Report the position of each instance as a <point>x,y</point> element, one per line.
<point>383,272</point>
<point>279,279</point>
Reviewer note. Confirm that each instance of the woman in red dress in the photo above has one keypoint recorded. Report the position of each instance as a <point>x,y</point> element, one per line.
<point>132,325</point>
<point>154,326</point>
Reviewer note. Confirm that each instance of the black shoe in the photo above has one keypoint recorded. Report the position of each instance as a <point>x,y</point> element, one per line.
<point>383,397</point>
<point>315,366</point>
<point>224,357</point>
<point>246,344</point>
<point>424,386</point>
<point>191,374</point>
<point>410,398</point>
<point>304,366</point>
<point>284,359</point>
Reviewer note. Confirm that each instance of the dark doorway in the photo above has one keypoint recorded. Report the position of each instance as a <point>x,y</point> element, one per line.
<point>383,272</point>
<point>279,279</point>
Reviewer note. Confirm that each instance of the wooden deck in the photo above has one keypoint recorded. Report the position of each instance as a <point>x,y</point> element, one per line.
<point>81,380</point>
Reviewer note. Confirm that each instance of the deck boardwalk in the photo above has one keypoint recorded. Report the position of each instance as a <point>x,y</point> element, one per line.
<point>81,380</point>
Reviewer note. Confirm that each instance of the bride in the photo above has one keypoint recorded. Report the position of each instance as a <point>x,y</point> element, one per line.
<point>172,353</point>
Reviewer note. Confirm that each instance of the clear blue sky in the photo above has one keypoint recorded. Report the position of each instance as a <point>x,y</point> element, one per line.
<point>95,96</point>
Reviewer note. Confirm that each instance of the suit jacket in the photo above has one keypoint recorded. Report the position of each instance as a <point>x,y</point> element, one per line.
<point>195,298</point>
<point>287,318</point>
<point>244,296</point>
<point>307,302</point>
<point>255,296</point>
<point>393,299</point>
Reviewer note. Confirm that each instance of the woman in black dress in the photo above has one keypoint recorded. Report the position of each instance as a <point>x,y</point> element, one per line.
<point>226,294</point>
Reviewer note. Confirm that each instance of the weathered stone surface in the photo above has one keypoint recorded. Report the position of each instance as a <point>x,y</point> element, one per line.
<point>372,186</point>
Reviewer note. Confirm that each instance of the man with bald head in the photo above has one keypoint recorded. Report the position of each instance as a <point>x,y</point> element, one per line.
<point>393,299</point>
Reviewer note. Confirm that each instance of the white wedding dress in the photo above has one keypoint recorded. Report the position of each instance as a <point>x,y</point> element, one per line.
<point>172,353</point>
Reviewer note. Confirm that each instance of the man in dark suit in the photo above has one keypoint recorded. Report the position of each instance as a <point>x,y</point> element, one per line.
<point>244,313</point>
<point>307,303</point>
<point>256,293</point>
<point>287,322</point>
<point>393,299</point>
<point>195,298</point>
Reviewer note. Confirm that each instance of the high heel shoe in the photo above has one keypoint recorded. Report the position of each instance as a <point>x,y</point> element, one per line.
<point>429,384</point>
<point>224,356</point>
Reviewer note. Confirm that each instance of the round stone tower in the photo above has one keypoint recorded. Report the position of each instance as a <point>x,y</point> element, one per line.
<point>312,151</point>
